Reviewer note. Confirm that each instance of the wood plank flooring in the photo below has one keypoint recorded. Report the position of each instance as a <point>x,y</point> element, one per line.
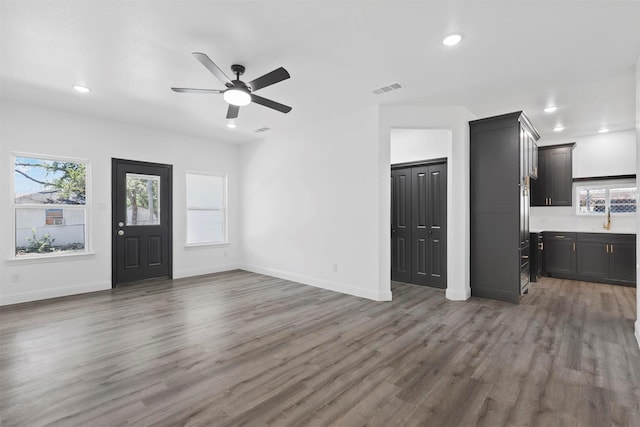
<point>239,348</point>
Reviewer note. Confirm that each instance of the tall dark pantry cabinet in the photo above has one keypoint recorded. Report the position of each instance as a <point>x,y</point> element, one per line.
<point>502,161</point>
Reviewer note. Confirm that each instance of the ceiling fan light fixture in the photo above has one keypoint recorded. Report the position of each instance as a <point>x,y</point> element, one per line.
<point>237,96</point>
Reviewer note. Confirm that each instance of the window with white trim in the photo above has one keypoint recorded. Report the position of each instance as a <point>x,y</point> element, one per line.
<point>206,196</point>
<point>599,199</point>
<point>49,205</point>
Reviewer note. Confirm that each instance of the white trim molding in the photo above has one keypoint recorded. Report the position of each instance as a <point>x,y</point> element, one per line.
<point>53,293</point>
<point>330,285</point>
<point>458,294</point>
<point>638,331</point>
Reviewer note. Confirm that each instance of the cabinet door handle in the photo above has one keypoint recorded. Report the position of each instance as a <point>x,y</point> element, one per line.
<point>550,202</point>
<point>561,237</point>
<point>611,248</point>
<point>607,248</point>
<point>574,247</point>
<point>525,257</point>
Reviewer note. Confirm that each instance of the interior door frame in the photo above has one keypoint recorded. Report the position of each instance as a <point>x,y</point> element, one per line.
<point>430,162</point>
<point>114,214</point>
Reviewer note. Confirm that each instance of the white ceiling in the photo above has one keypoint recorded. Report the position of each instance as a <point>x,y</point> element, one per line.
<point>516,55</point>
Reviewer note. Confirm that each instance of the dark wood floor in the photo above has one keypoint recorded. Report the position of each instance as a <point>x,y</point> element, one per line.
<point>244,349</point>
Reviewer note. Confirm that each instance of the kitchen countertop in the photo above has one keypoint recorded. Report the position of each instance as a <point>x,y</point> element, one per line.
<point>585,230</point>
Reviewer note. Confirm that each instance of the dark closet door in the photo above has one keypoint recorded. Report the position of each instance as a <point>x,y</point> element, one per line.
<point>401,225</point>
<point>429,203</point>
<point>418,224</point>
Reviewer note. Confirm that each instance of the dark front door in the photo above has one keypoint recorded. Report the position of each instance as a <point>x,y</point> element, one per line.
<point>141,221</point>
<point>423,207</point>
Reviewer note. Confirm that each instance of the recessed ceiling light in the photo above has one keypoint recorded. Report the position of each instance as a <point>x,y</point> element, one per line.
<point>550,109</point>
<point>81,89</point>
<point>558,128</point>
<point>452,39</point>
<point>231,125</point>
<point>603,130</point>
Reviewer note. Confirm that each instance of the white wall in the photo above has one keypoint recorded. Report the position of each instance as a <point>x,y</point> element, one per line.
<point>594,155</point>
<point>43,131</point>
<point>455,119</point>
<point>408,145</point>
<point>638,214</point>
<point>310,203</point>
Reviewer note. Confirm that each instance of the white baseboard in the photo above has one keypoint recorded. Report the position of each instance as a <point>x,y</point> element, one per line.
<point>180,274</point>
<point>321,283</point>
<point>53,293</point>
<point>638,331</point>
<point>458,294</point>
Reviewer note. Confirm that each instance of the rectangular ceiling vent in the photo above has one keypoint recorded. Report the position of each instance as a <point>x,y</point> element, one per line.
<point>262,129</point>
<point>388,88</point>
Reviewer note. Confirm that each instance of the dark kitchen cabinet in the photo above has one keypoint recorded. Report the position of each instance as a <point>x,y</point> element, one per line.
<point>608,258</point>
<point>500,165</point>
<point>555,176</point>
<point>537,247</point>
<point>623,262</point>
<point>559,255</point>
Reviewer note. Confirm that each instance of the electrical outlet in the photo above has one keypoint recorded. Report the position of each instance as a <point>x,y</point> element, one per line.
<point>15,277</point>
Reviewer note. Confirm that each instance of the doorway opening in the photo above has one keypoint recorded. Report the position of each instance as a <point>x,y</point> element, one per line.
<point>142,221</point>
<point>419,206</point>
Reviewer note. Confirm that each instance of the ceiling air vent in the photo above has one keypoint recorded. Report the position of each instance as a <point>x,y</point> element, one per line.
<point>262,129</point>
<point>388,88</point>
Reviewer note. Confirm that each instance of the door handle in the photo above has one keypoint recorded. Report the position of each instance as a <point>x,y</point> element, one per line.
<point>120,232</point>
<point>607,249</point>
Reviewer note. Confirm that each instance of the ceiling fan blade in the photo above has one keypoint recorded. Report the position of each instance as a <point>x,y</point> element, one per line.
<point>270,104</point>
<point>232,112</point>
<point>189,90</point>
<point>211,66</point>
<point>268,79</point>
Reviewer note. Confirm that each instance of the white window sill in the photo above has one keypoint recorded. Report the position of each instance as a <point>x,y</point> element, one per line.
<point>33,259</point>
<point>201,245</point>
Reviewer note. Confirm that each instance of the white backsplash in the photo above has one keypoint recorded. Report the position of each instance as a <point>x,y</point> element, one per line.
<point>565,219</point>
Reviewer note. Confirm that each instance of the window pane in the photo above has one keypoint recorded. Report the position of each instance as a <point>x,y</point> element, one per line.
<point>35,236</point>
<point>44,181</point>
<point>623,200</point>
<point>205,226</point>
<point>592,200</point>
<point>143,199</point>
<point>205,191</point>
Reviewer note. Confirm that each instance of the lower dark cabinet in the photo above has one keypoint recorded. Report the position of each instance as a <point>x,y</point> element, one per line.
<point>592,257</point>
<point>593,260</point>
<point>623,262</point>
<point>559,255</point>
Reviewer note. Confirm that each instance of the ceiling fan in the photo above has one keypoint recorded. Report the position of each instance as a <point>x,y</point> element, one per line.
<point>239,93</point>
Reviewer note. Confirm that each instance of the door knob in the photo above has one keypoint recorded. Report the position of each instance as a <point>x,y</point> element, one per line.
<point>120,232</point>
<point>121,224</point>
